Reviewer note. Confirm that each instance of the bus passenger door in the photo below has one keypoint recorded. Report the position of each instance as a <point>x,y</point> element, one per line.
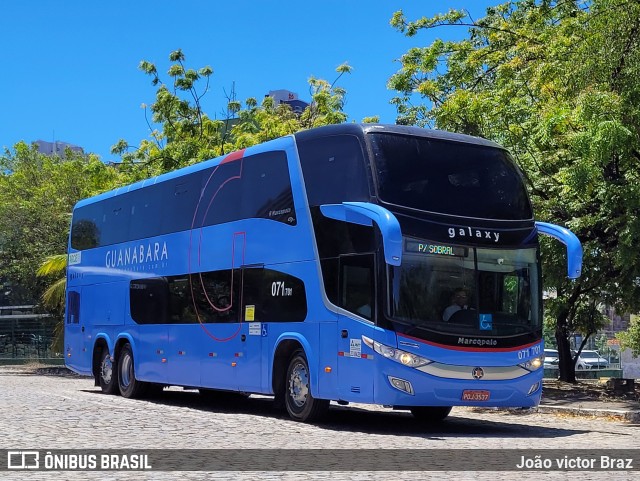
<point>249,363</point>
<point>75,349</point>
<point>355,366</point>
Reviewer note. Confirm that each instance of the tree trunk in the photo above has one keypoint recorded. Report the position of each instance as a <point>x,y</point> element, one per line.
<point>566,364</point>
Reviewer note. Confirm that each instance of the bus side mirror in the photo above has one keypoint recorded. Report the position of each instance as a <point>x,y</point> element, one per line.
<point>365,213</point>
<point>569,239</point>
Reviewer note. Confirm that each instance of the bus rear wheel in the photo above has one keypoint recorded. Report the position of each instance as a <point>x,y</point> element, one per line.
<point>107,375</point>
<point>430,414</point>
<point>300,404</point>
<point>129,386</point>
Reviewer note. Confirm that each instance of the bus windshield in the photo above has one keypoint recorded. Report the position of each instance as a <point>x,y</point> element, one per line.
<point>465,290</point>
<point>442,176</point>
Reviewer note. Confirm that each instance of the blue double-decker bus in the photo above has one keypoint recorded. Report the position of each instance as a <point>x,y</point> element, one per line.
<point>353,263</point>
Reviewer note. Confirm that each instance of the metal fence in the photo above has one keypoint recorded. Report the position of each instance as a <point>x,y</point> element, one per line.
<point>26,335</point>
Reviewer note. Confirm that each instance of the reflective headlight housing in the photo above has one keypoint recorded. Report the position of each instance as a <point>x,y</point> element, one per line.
<point>402,357</point>
<point>533,364</point>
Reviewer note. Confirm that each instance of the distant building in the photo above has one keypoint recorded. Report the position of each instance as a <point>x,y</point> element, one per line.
<point>289,98</point>
<point>617,322</point>
<point>56,148</point>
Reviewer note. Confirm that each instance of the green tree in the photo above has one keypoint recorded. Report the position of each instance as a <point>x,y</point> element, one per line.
<point>37,194</point>
<point>556,83</point>
<point>53,298</point>
<point>631,337</point>
<point>183,134</point>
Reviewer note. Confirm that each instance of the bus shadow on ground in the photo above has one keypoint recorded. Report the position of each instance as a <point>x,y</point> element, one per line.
<point>365,421</point>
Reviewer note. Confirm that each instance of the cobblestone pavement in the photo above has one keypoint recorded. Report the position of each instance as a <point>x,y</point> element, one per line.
<point>67,412</point>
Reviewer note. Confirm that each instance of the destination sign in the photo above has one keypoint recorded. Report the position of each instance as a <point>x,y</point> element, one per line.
<point>435,249</point>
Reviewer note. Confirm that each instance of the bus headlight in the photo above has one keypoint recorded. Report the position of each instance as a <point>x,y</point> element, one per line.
<point>403,357</point>
<point>533,364</point>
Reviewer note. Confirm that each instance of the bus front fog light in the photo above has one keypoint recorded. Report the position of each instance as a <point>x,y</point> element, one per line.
<point>401,384</point>
<point>533,388</point>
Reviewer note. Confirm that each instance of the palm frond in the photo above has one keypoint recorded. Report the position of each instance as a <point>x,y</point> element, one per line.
<point>53,298</point>
<point>52,265</point>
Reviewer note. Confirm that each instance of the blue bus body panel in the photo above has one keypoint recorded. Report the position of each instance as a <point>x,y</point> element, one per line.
<point>207,355</point>
<point>364,374</point>
<point>239,355</point>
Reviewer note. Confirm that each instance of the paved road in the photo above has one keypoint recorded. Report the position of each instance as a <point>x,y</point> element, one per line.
<point>59,412</point>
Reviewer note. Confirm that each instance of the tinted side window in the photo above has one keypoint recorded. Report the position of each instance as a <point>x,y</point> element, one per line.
<point>143,205</point>
<point>266,188</point>
<point>250,187</point>
<point>85,233</point>
<point>330,278</point>
<point>73,308</point>
<point>180,200</point>
<point>254,186</point>
<point>149,299</point>
<point>221,195</point>
<point>276,296</point>
<point>334,170</point>
<point>335,237</point>
<point>357,284</point>
<point>115,220</point>
<point>216,296</point>
<point>202,297</point>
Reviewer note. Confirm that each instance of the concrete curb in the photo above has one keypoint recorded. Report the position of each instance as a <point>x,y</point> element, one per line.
<point>628,416</point>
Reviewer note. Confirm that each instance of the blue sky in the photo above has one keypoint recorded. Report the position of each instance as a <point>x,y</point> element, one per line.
<point>71,66</point>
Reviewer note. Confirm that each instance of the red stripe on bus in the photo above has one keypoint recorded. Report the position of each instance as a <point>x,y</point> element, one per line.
<point>238,154</point>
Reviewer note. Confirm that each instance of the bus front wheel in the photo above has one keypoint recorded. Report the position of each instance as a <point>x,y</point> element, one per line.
<point>430,414</point>
<point>301,405</point>
<point>107,377</point>
<point>129,386</point>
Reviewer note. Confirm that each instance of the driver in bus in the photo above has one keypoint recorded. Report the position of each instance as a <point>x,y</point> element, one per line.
<point>458,302</point>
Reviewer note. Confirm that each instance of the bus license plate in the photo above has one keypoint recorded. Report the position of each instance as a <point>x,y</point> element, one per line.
<point>475,395</point>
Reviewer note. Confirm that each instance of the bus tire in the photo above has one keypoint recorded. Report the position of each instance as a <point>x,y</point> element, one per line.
<point>129,386</point>
<point>107,373</point>
<point>300,404</point>
<point>430,414</point>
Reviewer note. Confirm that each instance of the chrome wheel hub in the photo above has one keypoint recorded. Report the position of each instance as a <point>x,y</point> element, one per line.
<point>106,370</point>
<point>299,385</point>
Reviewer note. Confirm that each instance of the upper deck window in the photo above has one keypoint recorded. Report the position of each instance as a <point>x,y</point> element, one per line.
<point>334,170</point>
<point>255,186</point>
<point>449,177</point>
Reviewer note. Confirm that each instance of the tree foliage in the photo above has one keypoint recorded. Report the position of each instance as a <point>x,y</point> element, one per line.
<point>183,134</point>
<point>630,339</point>
<point>556,83</point>
<point>37,194</point>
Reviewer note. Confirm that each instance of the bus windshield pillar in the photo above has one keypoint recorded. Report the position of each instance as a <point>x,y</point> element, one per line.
<point>569,239</point>
<point>364,213</point>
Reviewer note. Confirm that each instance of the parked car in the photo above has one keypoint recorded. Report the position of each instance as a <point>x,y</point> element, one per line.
<point>550,359</point>
<point>580,363</point>
<point>594,360</point>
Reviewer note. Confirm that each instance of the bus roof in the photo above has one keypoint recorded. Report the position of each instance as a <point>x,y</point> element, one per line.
<point>353,129</point>
<point>356,129</point>
<point>280,143</point>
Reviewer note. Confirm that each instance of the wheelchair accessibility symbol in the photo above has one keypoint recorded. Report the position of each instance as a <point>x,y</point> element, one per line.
<point>486,322</point>
<point>264,330</point>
